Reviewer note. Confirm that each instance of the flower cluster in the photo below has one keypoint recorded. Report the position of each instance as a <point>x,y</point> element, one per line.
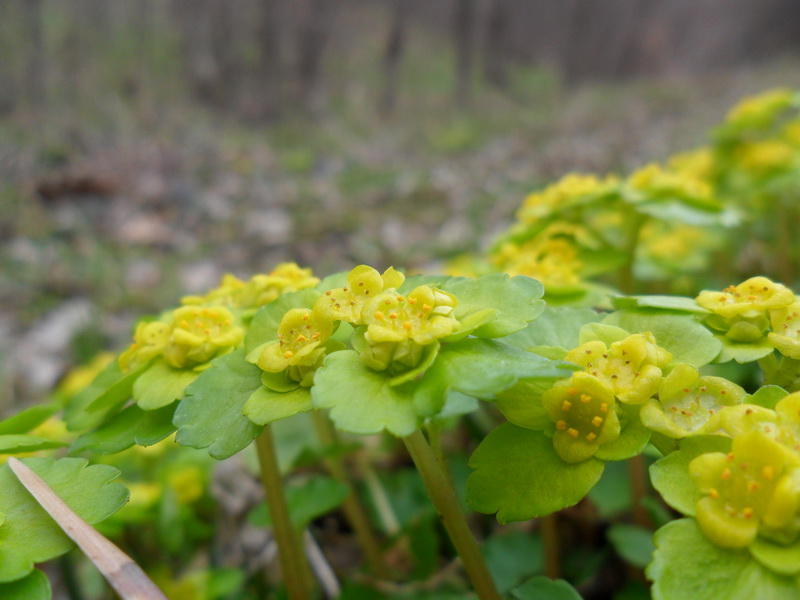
<point>745,312</point>
<point>592,408</point>
<point>189,338</point>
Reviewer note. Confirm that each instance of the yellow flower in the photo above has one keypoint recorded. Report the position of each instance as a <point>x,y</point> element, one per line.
<point>572,189</point>
<point>756,483</point>
<point>765,156</point>
<point>686,402</point>
<point>363,284</point>
<point>552,261</point>
<point>188,484</point>
<point>398,327</point>
<point>200,334</point>
<point>149,340</point>
<point>785,334</point>
<point>299,347</point>
<point>584,412</point>
<point>80,377</point>
<point>696,164</point>
<point>654,182</point>
<point>755,295</point>
<point>261,289</point>
<point>630,368</point>
<point>759,110</point>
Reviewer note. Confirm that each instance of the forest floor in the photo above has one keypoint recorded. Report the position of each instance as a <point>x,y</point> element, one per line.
<point>116,210</point>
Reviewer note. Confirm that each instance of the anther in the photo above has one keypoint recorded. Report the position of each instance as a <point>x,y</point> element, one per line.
<point>426,307</point>
<point>288,354</point>
<point>726,474</point>
<point>586,398</point>
<point>302,338</point>
<point>561,425</point>
<point>566,405</point>
<point>407,325</point>
<point>752,486</point>
<point>768,472</point>
<point>392,315</point>
<point>590,437</point>
<point>379,315</point>
<point>572,391</point>
<point>604,407</point>
<point>572,432</point>
<point>747,512</point>
<point>597,421</point>
<point>713,493</point>
<point>730,456</point>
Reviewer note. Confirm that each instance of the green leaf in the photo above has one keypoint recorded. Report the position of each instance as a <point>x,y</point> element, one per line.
<point>265,405</point>
<point>107,391</point>
<point>743,352</point>
<point>557,326</point>
<point>161,385</point>
<point>608,334</point>
<point>29,535</point>
<point>521,404</point>
<point>677,303</point>
<point>512,557</point>
<point>686,565</point>
<point>783,560</point>
<point>632,440</point>
<point>264,327</point>
<point>518,475</point>
<point>34,586</point>
<point>307,501</point>
<point>670,475</point>
<point>28,419</point>
<point>362,400</point>
<point>130,426</point>
<point>120,391</point>
<point>767,396</point>
<point>633,543</point>
<point>482,368</point>
<point>612,496</point>
<point>516,300</point>
<point>210,415</point>
<point>682,335</point>
<point>14,443</point>
<point>544,588</point>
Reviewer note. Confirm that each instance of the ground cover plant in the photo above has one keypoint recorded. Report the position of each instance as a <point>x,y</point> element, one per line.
<point>551,361</point>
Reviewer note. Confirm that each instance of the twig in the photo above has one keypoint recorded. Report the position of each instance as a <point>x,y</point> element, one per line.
<point>322,569</point>
<point>119,569</point>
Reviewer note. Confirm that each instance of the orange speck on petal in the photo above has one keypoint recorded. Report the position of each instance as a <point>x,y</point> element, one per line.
<point>288,354</point>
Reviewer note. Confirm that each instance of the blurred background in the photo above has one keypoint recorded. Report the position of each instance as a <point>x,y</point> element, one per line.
<point>149,146</point>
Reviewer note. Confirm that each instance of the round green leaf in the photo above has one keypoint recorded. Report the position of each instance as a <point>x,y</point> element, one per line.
<point>265,405</point>
<point>28,534</point>
<point>632,439</point>
<point>161,385</point>
<point>557,326</point>
<point>783,560</point>
<point>544,588</point>
<point>27,419</point>
<point>686,565</point>
<point>670,475</point>
<point>131,426</point>
<point>362,400</point>
<point>632,543</point>
<point>743,352</point>
<point>767,396</point>
<point>35,586</point>
<point>20,443</point>
<point>677,303</point>
<point>210,415</point>
<point>518,475</point>
<point>516,301</point>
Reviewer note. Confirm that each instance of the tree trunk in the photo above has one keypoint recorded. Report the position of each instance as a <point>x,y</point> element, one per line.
<point>35,85</point>
<point>464,23</point>
<point>496,61</point>
<point>392,56</point>
<point>313,36</point>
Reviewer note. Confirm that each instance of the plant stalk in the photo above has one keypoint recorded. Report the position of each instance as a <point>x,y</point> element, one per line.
<point>290,549</point>
<point>552,546</point>
<point>441,492</point>
<point>352,506</point>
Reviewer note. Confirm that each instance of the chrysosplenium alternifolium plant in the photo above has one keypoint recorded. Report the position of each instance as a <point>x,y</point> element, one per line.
<point>709,384</point>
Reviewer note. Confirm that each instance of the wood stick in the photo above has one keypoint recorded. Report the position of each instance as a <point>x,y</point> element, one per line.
<point>119,569</point>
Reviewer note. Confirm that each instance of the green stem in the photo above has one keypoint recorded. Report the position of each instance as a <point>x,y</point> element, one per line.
<point>552,547</point>
<point>290,549</point>
<point>626,281</point>
<point>441,492</point>
<point>637,470</point>
<point>353,508</point>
